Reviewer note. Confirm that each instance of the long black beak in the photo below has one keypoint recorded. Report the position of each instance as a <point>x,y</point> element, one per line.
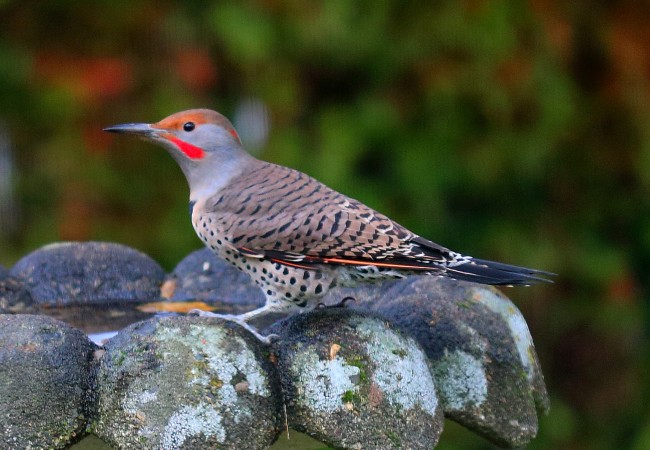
<point>138,129</point>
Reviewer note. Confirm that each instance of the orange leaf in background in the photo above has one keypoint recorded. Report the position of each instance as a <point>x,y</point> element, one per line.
<point>106,77</point>
<point>88,79</point>
<point>556,24</point>
<point>622,290</point>
<point>196,69</point>
<point>515,70</point>
<point>629,39</point>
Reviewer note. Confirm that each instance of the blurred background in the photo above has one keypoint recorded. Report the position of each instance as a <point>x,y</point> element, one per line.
<point>515,131</point>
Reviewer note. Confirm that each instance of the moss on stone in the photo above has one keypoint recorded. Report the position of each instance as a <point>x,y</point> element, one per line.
<point>358,362</point>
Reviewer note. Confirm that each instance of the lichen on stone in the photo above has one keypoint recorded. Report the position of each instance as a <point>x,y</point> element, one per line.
<point>208,343</point>
<point>462,381</point>
<point>325,382</point>
<point>190,421</point>
<point>517,325</point>
<point>137,399</point>
<point>401,371</point>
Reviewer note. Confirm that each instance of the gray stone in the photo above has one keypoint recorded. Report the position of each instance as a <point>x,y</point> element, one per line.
<point>13,295</point>
<point>89,272</point>
<point>352,382</point>
<point>205,277</point>
<point>46,382</point>
<point>187,382</point>
<point>485,365</point>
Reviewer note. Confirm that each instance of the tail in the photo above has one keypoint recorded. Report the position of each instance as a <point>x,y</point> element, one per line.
<point>498,274</point>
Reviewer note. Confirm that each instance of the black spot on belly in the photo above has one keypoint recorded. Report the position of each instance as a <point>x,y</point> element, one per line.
<point>318,289</point>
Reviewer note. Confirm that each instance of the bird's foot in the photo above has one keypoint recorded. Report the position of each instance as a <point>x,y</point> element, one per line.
<point>342,304</point>
<point>239,321</point>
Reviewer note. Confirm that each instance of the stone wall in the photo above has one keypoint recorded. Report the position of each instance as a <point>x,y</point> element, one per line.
<point>379,373</point>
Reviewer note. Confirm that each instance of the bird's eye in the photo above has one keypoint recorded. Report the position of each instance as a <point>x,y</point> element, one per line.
<point>188,126</point>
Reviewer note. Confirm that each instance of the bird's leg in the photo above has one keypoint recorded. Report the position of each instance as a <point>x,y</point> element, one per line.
<point>242,319</point>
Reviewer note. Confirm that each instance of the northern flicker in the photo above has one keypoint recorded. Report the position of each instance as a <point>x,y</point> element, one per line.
<point>295,237</point>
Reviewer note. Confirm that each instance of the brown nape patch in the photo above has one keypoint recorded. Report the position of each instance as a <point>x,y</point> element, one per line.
<point>198,116</point>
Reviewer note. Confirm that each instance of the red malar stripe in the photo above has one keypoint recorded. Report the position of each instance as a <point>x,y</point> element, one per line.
<point>192,151</point>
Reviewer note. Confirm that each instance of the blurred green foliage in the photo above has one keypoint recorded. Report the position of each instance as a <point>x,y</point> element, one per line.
<point>509,130</point>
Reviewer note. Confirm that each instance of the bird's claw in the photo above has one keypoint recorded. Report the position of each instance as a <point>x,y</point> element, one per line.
<point>341,304</point>
<point>270,338</point>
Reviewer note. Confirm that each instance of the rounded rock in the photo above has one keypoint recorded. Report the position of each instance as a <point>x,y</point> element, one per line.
<point>352,382</point>
<point>484,361</point>
<point>46,382</point>
<point>187,382</point>
<point>13,295</point>
<point>89,272</point>
<point>201,275</point>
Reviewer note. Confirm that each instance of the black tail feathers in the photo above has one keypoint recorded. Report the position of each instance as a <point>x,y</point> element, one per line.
<point>498,274</point>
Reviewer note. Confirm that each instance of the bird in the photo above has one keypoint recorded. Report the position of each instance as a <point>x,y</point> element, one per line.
<point>294,236</point>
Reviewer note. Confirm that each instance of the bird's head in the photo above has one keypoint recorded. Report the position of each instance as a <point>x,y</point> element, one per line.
<point>203,142</point>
